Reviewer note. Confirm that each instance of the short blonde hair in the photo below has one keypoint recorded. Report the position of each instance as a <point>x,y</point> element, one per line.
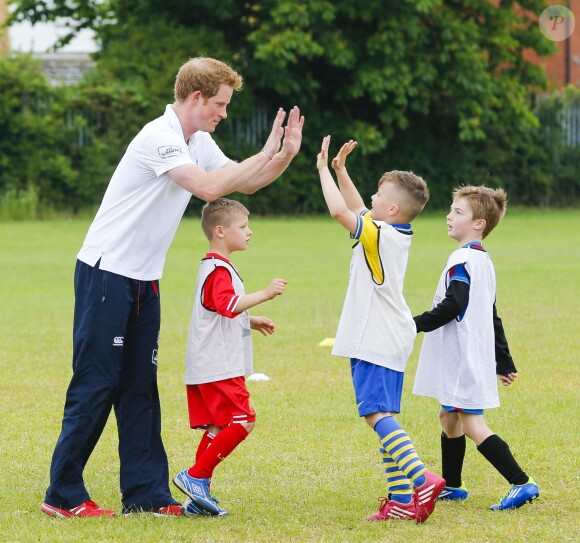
<point>204,74</point>
<point>220,212</point>
<point>412,189</point>
<point>486,203</point>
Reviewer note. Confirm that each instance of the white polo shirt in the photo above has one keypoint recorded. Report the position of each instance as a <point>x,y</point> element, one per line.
<point>142,206</point>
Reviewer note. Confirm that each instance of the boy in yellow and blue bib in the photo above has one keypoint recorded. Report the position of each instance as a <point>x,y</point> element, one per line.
<point>376,329</point>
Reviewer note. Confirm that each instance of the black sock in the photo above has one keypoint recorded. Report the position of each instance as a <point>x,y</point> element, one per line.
<point>497,452</point>
<point>452,455</point>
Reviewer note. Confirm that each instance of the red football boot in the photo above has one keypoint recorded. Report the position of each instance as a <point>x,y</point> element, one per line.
<point>86,509</point>
<point>428,493</point>
<point>392,510</point>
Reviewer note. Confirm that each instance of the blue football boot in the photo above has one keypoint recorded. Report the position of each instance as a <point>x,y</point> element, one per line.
<point>518,496</point>
<point>454,494</point>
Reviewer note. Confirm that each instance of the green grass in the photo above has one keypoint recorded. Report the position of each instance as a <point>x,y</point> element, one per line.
<point>310,471</point>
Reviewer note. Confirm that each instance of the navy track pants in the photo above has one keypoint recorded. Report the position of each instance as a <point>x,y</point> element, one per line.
<point>115,341</point>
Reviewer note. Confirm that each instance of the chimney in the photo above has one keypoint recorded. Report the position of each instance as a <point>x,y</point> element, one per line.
<point>4,32</point>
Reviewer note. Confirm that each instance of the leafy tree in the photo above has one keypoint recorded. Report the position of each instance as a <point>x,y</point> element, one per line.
<point>438,86</point>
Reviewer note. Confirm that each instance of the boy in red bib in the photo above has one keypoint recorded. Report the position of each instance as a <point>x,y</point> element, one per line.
<point>219,352</point>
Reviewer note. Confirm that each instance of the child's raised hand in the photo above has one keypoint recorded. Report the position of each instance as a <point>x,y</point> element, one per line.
<point>275,288</point>
<point>322,158</point>
<point>339,160</point>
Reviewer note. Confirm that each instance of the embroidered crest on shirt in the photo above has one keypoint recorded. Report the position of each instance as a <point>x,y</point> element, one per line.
<point>169,151</point>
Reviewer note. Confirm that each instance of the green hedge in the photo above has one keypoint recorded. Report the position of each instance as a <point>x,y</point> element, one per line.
<point>59,147</point>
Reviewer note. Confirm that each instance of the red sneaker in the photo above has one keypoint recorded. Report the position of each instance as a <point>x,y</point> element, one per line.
<point>173,510</point>
<point>392,510</point>
<point>86,509</point>
<point>428,493</point>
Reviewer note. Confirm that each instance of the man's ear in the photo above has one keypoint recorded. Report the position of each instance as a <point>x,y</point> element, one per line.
<point>195,96</point>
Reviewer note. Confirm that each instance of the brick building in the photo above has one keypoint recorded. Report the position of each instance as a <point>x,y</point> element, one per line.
<point>563,67</point>
<point>60,68</point>
<point>4,32</point>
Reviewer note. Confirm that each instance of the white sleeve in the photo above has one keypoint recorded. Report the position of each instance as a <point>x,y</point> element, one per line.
<point>162,151</point>
<point>211,156</point>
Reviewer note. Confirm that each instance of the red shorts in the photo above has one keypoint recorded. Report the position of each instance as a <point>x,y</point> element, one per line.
<point>219,403</point>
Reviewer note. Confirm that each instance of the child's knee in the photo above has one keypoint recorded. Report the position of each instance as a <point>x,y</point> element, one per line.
<point>450,423</point>
<point>373,418</point>
<point>249,426</point>
<point>444,418</point>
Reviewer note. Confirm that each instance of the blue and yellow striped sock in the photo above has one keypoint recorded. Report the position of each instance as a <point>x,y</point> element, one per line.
<point>400,488</point>
<point>399,446</point>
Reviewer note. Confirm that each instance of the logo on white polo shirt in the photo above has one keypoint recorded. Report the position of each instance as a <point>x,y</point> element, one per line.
<point>169,151</point>
<point>118,341</point>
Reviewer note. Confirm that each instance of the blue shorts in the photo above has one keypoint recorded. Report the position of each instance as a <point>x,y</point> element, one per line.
<point>376,389</point>
<point>450,409</point>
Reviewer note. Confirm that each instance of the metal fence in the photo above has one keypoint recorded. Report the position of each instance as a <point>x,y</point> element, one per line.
<point>251,129</point>
<point>560,120</point>
<point>570,121</point>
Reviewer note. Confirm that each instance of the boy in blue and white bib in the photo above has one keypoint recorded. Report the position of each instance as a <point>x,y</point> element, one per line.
<point>465,348</point>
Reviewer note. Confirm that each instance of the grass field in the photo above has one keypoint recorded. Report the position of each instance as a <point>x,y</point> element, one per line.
<point>310,471</point>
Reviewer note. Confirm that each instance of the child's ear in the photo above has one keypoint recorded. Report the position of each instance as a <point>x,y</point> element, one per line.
<point>394,209</point>
<point>219,231</point>
<point>480,224</point>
